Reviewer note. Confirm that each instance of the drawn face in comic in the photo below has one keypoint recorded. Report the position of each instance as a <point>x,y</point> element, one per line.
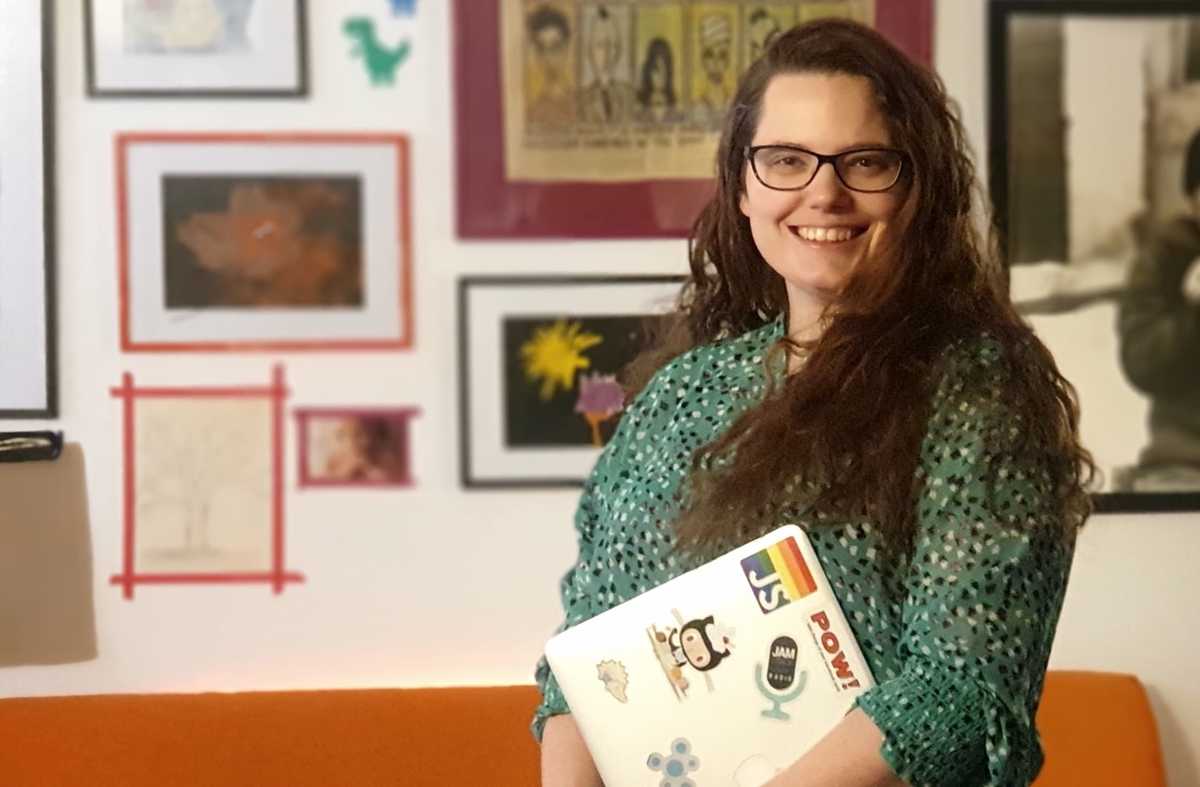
<point>658,65</point>
<point>656,91</point>
<point>715,41</point>
<point>763,29</point>
<point>549,35</point>
<point>604,45</point>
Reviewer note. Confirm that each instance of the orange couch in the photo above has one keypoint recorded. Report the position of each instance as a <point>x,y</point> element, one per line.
<point>1097,729</point>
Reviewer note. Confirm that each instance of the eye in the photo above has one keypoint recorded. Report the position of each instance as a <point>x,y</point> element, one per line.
<point>866,162</point>
<point>786,159</point>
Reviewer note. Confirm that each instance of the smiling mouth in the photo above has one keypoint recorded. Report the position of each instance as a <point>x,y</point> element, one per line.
<point>831,235</point>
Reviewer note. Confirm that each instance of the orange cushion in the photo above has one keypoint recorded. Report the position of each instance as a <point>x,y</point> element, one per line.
<point>1098,730</point>
<point>351,737</point>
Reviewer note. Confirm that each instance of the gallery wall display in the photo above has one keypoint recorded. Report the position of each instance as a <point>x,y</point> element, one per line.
<point>355,447</point>
<point>28,374</point>
<point>184,48</point>
<point>203,485</point>
<point>1094,139</point>
<point>243,242</point>
<point>540,362</point>
<point>590,119</point>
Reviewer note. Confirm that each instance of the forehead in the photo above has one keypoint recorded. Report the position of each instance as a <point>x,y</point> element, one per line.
<point>826,112</point>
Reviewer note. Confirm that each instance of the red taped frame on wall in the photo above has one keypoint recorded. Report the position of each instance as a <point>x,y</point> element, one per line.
<point>355,447</point>
<point>203,485</point>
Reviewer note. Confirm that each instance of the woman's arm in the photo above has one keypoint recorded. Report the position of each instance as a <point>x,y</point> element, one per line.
<point>566,762</point>
<point>983,590</point>
<point>848,756</point>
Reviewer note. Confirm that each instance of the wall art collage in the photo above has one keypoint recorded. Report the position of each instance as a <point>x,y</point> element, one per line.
<point>578,119</point>
<point>253,242</point>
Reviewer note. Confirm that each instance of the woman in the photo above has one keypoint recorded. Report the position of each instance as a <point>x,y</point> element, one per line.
<point>847,359</point>
<point>656,90</point>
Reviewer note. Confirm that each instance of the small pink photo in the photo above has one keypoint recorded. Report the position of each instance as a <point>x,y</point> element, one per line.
<point>355,447</point>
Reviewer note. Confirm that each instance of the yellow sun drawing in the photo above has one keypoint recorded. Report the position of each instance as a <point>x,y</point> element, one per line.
<point>555,354</point>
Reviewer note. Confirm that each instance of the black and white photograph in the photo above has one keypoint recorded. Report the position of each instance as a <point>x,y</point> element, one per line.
<point>541,362</point>
<point>1095,174</point>
<point>27,328</point>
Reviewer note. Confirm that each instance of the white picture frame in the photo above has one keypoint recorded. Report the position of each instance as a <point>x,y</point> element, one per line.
<point>164,180</point>
<point>27,336</point>
<point>177,49</point>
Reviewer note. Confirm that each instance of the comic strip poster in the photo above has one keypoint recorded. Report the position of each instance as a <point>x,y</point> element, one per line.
<point>630,90</point>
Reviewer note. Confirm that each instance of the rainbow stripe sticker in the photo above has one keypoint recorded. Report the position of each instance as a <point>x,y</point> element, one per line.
<point>778,575</point>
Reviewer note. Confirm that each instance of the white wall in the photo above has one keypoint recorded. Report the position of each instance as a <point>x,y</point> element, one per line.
<point>435,586</point>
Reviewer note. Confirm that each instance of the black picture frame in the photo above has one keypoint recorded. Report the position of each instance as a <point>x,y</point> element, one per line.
<point>95,91</point>
<point>1018,233</point>
<point>49,406</point>
<point>486,460</point>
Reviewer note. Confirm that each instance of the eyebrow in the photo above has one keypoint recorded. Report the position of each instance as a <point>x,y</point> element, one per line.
<point>856,146</point>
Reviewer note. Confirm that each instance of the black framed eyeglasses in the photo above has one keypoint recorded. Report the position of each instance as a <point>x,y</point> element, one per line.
<point>791,168</point>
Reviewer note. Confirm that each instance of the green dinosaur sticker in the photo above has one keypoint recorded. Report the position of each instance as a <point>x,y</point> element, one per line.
<point>381,61</point>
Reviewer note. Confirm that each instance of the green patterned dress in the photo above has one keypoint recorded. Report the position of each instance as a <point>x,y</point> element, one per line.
<point>957,639</point>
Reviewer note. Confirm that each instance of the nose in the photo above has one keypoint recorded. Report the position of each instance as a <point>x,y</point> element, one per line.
<point>826,191</point>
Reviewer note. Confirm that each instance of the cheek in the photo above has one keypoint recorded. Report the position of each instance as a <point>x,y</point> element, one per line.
<point>883,207</point>
<point>765,206</point>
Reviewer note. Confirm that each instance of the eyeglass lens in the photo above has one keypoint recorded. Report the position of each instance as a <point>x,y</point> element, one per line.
<point>793,168</point>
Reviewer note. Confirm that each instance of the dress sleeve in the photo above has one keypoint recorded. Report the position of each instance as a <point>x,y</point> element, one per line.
<point>578,602</point>
<point>982,594</point>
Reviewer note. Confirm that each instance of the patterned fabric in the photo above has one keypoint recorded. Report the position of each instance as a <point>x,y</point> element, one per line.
<point>957,638</point>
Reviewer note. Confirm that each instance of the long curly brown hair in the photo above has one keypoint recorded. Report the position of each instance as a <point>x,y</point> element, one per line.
<point>932,280</point>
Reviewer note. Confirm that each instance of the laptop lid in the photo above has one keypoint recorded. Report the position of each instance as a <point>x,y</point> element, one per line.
<point>722,676</point>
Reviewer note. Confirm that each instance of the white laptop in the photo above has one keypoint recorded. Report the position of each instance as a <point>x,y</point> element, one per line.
<point>723,676</point>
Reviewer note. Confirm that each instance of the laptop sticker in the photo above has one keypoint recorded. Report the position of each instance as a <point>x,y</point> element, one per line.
<point>675,766</point>
<point>698,645</point>
<point>836,662</point>
<point>778,575</point>
<point>783,685</point>
<point>615,679</point>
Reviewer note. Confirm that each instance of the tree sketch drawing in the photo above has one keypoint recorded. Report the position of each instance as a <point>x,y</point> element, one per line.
<point>203,485</point>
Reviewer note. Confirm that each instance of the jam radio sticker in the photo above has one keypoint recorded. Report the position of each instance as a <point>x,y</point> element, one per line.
<point>839,667</point>
<point>615,679</point>
<point>675,766</point>
<point>778,575</point>
<point>783,684</point>
<point>699,645</point>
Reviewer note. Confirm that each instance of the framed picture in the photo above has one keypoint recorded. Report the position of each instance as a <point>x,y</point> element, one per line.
<point>594,119</point>
<point>264,242</point>
<point>203,485</point>
<point>539,364</point>
<point>1095,175</point>
<point>27,336</point>
<point>195,48</point>
<point>355,447</point>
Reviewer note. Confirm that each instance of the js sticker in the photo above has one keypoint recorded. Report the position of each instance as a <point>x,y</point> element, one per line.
<point>778,575</point>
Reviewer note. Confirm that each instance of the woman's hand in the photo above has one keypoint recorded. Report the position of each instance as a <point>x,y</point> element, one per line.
<point>566,761</point>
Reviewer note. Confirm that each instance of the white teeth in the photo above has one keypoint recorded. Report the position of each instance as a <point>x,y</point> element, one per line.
<point>826,234</point>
